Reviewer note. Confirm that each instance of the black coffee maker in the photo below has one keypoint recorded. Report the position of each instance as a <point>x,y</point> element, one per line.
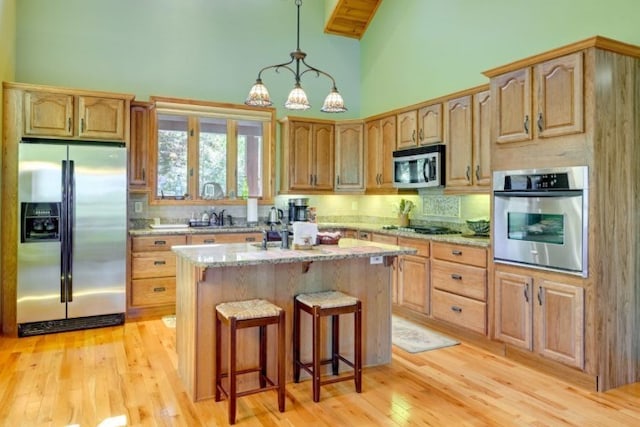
<point>298,209</point>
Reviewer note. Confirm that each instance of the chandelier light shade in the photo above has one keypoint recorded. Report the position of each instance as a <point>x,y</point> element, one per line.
<point>297,100</point>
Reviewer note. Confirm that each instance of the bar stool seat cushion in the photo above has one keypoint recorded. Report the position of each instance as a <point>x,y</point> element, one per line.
<point>327,299</point>
<point>248,309</point>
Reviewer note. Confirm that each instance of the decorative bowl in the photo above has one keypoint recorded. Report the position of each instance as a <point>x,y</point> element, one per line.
<point>479,226</point>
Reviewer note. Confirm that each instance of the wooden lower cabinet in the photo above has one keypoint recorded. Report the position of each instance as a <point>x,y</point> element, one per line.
<point>412,288</point>
<point>153,268</point>
<point>459,285</point>
<point>543,314</point>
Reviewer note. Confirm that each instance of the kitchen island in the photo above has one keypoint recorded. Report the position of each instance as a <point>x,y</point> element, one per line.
<point>211,274</point>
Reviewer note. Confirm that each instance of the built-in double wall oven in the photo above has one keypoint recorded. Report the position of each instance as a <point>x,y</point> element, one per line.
<point>540,218</point>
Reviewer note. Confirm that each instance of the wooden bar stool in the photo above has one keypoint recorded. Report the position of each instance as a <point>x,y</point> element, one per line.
<point>318,305</point>
<point>248,314</point>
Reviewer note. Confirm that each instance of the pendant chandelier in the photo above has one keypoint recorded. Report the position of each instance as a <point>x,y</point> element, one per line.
<point>297,100</point>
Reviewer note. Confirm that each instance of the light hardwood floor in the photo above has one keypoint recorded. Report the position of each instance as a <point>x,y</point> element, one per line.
<point>127,376</point>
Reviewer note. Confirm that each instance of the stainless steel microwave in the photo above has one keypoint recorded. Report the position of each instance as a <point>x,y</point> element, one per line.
<point>419,167</point>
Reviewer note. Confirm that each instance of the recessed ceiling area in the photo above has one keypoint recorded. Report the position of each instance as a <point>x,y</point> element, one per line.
<point>350,18</point>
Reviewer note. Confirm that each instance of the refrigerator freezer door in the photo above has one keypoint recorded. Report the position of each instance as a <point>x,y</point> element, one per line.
<point>99,232</point>
<point>38,290</point>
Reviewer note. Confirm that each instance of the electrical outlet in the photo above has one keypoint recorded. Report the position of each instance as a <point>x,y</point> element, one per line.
<point>137,207</point>
<point>375,260</point>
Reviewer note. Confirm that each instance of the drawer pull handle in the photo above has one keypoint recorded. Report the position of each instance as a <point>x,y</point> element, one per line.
<point>456,309</point>
<point>159,262</point>
<point>159,289</point>
<point>209,240</point>
<point>456,277</point>
<point>250,239</point>
<point>160,242</point>
<point>456,252</point>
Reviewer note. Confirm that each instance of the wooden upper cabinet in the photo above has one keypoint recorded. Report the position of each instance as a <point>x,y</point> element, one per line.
<point>63,115</point>
<point>513,106</point>
<point>48,114</point>
<point>459,139</point>
<point>430,124</point>
<point>349,153</point>
<point>407,128</point>
<point>543,101</point>
<point>482,138</point>
<point>101,118</point>
<point>560,96</point>
<point>380,140</point>
<point>308,155</point>
<point>139,143</point>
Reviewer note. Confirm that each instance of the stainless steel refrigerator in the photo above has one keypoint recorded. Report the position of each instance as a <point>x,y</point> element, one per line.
<point>72,236</point>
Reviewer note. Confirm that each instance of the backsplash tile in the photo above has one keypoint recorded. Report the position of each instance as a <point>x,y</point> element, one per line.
<point>442,206</point>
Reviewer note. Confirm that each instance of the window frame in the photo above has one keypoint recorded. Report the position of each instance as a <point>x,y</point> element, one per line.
<point>195,109</point>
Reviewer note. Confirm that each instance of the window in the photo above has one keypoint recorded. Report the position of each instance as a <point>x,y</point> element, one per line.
<point>208,152</point>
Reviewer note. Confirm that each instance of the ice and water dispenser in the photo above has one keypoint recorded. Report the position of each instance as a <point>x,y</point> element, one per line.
<point>40,221</point>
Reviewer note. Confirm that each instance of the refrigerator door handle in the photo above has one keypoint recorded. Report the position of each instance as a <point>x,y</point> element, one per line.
<point>70,223</point>
<point>63,234</point>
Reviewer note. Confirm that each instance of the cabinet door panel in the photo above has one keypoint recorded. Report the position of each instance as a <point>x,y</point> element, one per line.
<point>139,143</point>
<point>349,157</point>
<point>101,118</point>
<point>48,114</point>
<point>459,138</point>
<point>388,135</point>
<point>513,119</point>
<point>430,124</point>
<point>374,153</point>
<point>559,325</point>
<point>407,130</point>
<point>413,283</point>
<point>323,154</point>
<point>513,315</point>
<point>560,96</point>
<point>300,171</point>
<point>482,138</point>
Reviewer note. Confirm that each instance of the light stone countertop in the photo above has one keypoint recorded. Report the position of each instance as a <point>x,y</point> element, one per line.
<point>360,226</point>
<point>240,254</point>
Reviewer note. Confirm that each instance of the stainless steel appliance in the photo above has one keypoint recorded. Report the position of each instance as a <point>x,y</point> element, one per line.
<point>72,236</point>
<point>275,215</point>
<point>541,218</point>
<point>419,167</point>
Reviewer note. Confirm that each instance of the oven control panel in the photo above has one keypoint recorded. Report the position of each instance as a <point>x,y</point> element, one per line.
<point>550,181</point>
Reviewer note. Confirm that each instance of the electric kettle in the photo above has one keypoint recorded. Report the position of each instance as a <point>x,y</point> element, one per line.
<point>275,215</point>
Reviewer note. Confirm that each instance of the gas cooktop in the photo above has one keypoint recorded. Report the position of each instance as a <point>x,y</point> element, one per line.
<point>429,229</point>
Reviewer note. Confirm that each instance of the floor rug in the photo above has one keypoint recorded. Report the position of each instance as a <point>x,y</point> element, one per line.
<point>169,321</point>
<point>415,338</point>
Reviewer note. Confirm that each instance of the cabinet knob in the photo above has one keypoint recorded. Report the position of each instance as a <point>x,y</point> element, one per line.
<point>477,172</point>
<point>159,262</point>
<point>456,309</point>
<point>456,277</point>
<point>540,295</point>
<point>413,135</point>
<point>250,239</point>
<point>160,242</point>
<point>421,135</point>
<point>159,289</point>
<point>82,124</point>
<point>69,123</point>
<point>468,173</point>
<point>456,252</point>
<point>526,124</point>
<point>209,240</point>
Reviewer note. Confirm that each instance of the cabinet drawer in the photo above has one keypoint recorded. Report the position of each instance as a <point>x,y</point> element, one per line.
<point>153,264</point>
<point>460,279</point>
<point>157,291</point>
<point>157,243</point>
<point>204,239</point>
<point>421,245</point>
<point>384,238</point>
<point>462,311</point>
<point>460,253</point>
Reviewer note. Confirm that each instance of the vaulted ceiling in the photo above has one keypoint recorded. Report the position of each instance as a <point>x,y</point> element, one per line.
<point>350,18</point>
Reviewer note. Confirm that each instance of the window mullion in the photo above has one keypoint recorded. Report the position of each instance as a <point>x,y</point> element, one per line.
<point>192,157</point>
<point>232,155</point>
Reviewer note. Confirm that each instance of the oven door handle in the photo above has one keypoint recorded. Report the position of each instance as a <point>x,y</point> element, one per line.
<point>562,193</point>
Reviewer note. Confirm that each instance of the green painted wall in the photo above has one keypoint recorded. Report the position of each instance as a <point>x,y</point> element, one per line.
<point>202,49</point>
<point>415,50</point>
